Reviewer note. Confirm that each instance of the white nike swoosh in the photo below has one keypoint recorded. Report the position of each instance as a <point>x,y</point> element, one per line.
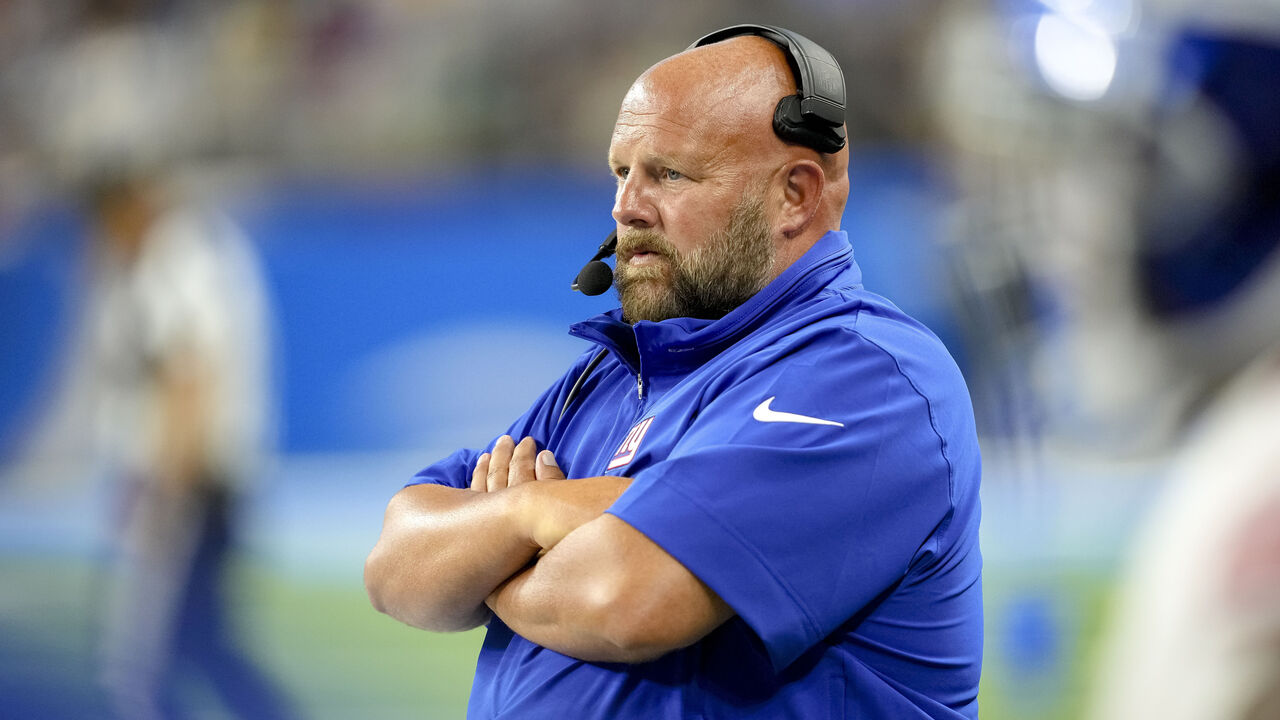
<point>764,414</point>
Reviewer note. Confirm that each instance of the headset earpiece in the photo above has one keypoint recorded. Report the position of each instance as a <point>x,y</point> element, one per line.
<point>790,125</point>
<point>814,116</point>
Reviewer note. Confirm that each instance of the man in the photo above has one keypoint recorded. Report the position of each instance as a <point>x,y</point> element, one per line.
<point>178,363</point>
<point>774,503</point>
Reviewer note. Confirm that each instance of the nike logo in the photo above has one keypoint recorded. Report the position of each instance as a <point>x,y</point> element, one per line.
<point>764,413</point>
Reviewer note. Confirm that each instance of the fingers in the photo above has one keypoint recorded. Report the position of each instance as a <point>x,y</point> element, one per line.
<point>500,463</point>
<point>521,468</point>
<point>511,464</point>
<point>480,476</point>
<point>547,468</point>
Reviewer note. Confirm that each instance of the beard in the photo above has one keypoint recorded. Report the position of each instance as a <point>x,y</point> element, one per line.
<point>707,282</point>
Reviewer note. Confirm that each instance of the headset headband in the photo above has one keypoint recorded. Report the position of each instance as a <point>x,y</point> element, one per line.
<point>814,116</point>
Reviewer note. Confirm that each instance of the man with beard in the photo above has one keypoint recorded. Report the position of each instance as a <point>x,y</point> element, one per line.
<point>773,503</point>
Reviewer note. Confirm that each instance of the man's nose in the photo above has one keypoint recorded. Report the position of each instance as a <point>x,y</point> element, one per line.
<point>633,205</point>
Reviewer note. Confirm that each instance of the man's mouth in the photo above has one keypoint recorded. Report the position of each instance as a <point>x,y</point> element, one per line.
<point>642,257</point>
<point>641,254</point>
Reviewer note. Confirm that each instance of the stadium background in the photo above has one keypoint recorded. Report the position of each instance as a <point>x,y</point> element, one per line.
<point>422,180</point>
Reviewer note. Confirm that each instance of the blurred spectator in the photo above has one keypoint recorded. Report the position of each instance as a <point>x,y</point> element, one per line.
<point>175,353</point>
<point>178,358</point>
<point>178,362</point>
<point>384,86</point>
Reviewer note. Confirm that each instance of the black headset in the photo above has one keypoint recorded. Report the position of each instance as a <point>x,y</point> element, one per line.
<point>813,117</point>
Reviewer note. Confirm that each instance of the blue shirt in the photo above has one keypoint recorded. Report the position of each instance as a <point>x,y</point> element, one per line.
<point>811,457</point>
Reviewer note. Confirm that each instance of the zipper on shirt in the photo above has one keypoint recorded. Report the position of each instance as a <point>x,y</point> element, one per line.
<point>639,388</point>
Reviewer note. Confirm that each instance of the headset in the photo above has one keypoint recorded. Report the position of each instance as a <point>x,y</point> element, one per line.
<point>812,117</point>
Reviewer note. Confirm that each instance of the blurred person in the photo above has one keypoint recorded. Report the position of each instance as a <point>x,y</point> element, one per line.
<point>1145,204</point>
<point>180,410</point>
<point>1195,634</point>
<point>772,508</point>
<point>174,370</point>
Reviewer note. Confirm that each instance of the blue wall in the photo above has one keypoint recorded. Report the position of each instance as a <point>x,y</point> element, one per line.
<point>399,309</point>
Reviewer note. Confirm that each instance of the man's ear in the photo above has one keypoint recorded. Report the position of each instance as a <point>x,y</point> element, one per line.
<point>803,183</point>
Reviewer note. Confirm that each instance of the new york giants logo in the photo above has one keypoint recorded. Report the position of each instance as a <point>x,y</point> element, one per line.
<point>630,444</point>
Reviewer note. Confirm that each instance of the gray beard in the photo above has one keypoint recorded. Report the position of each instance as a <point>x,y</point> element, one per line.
<point>708,282</point>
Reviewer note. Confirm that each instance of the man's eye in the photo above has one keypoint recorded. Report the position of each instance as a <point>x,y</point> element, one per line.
<point>670,174</point>
<point>622,173</point>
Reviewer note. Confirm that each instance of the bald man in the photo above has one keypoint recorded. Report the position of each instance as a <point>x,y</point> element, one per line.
<point>773,503</point>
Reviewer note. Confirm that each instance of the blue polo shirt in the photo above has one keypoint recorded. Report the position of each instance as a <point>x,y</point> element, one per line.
<point>812,458</point>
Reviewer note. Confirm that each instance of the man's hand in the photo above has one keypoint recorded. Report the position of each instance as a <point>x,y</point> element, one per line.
<point>510,465</point>
<point>547,511</point>
<point>443,551</point>
<point>550,511</point>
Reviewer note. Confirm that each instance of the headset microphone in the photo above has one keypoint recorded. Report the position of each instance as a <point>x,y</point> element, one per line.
<point>596,276</point>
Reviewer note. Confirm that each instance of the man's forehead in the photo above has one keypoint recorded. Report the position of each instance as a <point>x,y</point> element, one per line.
<point>694,96</point>
<point>699,80</point>
<point>667,136</point>
<point>744,76</point>
<point>647,106</point>
<point>680,99</point>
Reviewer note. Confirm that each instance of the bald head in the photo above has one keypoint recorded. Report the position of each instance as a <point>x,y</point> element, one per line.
<point>708,195</point>
<point>731,86</point>
<point>719,100</point>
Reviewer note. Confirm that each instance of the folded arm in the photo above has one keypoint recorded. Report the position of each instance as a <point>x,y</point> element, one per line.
<point>443,550</point>
<point>599,589</point>
<point>606,593</point>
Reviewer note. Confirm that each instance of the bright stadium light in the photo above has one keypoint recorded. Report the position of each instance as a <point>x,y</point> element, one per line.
<point>1116,17</point>
<point>1075,57</point>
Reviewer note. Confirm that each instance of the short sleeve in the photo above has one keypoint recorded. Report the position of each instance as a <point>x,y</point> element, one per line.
<point>800,493</point>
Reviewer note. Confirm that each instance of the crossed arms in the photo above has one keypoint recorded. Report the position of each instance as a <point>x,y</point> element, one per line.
<point>538,551</point>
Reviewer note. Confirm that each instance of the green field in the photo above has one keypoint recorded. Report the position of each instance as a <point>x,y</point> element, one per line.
<point>338,659</point>
<point>331,652</point>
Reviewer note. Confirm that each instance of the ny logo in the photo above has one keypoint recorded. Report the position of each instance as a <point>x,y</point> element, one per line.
<point>630,444</point>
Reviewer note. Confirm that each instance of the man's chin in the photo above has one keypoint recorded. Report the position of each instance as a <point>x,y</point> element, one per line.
<point>646,300</point>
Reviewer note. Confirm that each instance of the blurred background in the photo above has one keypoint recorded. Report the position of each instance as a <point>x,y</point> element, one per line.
<point>262,261</point>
